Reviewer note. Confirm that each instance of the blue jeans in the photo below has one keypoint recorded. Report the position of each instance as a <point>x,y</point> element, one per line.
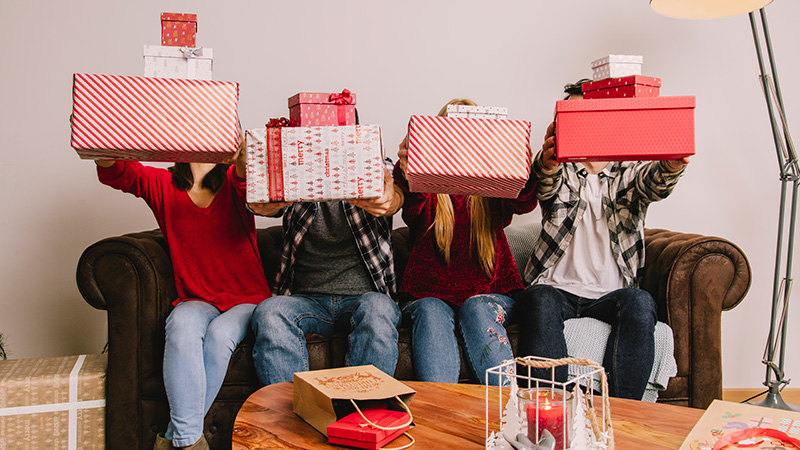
<point>199,343</point>
<point>630,348</point>
<point>481,325</point>
<point>280,324</point>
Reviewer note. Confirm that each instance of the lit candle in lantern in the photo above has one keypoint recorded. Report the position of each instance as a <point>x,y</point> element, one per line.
<point>547,414</point>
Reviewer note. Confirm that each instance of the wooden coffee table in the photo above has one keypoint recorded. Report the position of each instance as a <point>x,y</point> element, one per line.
<point>448,416</point>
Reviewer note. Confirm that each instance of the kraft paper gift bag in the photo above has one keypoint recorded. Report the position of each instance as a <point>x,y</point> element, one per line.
<point>322,397</point>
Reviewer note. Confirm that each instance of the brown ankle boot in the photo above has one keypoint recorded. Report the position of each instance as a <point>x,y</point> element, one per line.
<point>162,443</point>
<point>201,444</point>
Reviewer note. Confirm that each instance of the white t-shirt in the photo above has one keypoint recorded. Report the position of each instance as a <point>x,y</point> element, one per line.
<point>588,268</point>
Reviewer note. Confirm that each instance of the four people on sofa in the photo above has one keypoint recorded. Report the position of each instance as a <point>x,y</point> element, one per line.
<point>461,281</point>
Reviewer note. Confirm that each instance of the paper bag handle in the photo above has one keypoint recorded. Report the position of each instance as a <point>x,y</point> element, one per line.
<point>410,419</point>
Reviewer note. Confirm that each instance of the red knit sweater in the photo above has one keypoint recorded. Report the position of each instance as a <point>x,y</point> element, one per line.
<point>213,250</point>
<point>427,276</point>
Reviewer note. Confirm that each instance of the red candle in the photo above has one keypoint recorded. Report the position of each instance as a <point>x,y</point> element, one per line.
<point>548,414</point>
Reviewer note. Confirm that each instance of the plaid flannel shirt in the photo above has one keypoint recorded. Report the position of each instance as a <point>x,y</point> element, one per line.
<point>628,189</point>
<point>373,237</point>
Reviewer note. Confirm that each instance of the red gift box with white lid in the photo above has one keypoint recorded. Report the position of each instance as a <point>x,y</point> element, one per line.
<point>630,86</point>
<point>317,109</point>
<point>625,129</point>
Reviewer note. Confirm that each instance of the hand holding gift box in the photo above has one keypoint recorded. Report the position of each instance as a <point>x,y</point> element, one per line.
<point>314,163</point>
<point>452,155</point>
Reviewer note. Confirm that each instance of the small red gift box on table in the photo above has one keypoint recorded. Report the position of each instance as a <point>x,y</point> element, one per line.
<point>179,30</point>
<point>353,431</point>
<point>625,129</point>
<point>631,86</point>
<point>315,109</point>
<point>454,155</point>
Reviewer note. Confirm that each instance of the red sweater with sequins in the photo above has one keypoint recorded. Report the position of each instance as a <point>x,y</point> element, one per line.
<point>427,276</point>
<point>213,250</point>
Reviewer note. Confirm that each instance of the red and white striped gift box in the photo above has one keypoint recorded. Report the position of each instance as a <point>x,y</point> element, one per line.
<point>154,119</point>
<point>454,155</point>
<point>309,164</point>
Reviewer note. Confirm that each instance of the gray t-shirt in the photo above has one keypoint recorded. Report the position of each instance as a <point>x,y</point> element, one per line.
<point>328,261</point>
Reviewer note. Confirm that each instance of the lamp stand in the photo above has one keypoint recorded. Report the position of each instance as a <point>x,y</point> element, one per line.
<point>790,181</point>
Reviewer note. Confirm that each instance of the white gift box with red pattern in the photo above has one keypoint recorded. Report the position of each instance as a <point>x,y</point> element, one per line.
<point>453,155</point>
<point>314,163</point>
<point>178,62</point>
<point>154,119</point>
<point>616,66</point>
<point>477,112</point>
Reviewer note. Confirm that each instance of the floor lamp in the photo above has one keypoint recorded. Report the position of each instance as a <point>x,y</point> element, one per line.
<point>789,173</point>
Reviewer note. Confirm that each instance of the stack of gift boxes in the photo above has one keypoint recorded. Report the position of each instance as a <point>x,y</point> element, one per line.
<point>176,112</point>
<point>320,153</point>
<point>623,117</point>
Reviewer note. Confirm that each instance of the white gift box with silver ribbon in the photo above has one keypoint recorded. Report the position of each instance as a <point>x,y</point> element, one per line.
<point>178,62</point>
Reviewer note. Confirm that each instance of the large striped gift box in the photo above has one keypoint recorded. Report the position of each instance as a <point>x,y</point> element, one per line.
<point>53,403</point>
<point>314,163</point>
<point>454,155</point>
<point>154,119</point>
<point>625,129</point>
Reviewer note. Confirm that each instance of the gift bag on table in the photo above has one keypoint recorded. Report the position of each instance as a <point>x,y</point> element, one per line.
<point>322,397</point>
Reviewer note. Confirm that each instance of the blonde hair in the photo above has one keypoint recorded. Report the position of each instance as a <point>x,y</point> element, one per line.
<point>481,233</point>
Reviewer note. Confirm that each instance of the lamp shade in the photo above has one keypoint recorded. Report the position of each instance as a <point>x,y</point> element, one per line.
<point>705,9</point>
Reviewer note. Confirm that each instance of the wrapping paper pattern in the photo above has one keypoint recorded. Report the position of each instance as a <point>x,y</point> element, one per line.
<point>466,156</point>
<point>477,112</point>
<point>317,109</point>
<point>171,62</point>
<point>154,119</point>
<point>53,403</point>
<point>630,86</point>
<point>314,163</point>
<point>179,30</point>
<point>615,66</point>
<point>625,129</point>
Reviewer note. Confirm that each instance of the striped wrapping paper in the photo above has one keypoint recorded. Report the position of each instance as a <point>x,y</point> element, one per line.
<point>465,156</point>
<point>314,163</point>
<point>154,119</point>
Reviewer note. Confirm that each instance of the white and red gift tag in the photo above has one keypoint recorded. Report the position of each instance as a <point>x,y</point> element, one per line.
<point>154,119</point>
<point>467,156</point>
<point>314,163</point>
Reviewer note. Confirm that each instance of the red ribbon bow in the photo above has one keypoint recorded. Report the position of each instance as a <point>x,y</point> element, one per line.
<point>277,123</point>
<point>342,99</point>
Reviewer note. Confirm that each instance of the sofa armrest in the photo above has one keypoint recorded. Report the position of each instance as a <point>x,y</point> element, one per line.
<point>694,278</point>
<point>131,277</point>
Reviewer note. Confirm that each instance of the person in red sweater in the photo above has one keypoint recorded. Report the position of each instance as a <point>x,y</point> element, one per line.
<point>200,209</point>
<point>460,274</point>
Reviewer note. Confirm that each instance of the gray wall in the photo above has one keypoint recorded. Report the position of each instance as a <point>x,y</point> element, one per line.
<point>401,58</point>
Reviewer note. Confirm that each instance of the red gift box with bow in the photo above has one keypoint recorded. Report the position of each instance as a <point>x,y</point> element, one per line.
<point>316,109</point>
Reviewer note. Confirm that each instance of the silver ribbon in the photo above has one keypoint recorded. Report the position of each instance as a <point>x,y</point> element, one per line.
<point>189,52</point>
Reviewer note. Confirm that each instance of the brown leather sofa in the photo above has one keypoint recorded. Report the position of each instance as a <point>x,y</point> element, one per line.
<point>693,279</point>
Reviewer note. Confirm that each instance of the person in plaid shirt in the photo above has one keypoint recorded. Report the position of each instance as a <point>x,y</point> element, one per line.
<point>337,273</point>
<point>589,257</point>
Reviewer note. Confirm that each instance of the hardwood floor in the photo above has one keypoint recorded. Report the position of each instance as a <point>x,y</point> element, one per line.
<point>789,395</point>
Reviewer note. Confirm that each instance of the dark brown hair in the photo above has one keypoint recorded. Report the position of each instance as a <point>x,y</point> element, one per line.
<point>183,179</point>
<point>575,88</point>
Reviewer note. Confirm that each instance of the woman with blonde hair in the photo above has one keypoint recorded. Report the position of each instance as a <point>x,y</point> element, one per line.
<point>460,276</point>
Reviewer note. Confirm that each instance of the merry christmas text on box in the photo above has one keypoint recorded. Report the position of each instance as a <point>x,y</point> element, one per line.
<point>314,163</point>
<point>467,156</point>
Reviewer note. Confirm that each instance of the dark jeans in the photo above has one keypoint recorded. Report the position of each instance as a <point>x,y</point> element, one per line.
<point>630,348</point>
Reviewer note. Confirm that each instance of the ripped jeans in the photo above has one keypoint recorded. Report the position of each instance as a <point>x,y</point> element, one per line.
<point>481,324</point>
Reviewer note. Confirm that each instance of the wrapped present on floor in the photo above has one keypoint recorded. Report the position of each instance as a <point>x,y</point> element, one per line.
<point>154,119</point>
<point>477,112</point>
<point>178,62</point>
<point>630,86</point>
<point>53,403</point>
<point>625,129</point>
<point>314,163</point>
<point>179,30</point>
<point>466,156</point>
<point>310,109</point>
<point>616,66</point>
